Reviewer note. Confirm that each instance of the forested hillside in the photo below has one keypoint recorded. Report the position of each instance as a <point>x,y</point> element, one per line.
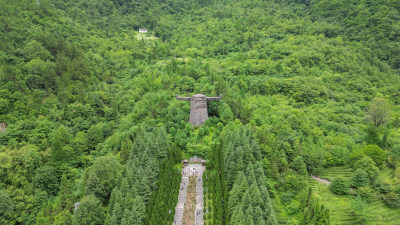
<point>91,133</point>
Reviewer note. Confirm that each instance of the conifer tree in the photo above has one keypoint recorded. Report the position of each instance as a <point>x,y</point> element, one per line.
<point>238,216</point>
<point>359,179</point>
<point>66,197</point>
<point>250,174</point>
<point>250,215</point>
<point>255,196</point>
<point>339,186</point>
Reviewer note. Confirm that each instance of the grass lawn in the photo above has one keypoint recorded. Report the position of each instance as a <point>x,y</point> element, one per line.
<point>341,206</point>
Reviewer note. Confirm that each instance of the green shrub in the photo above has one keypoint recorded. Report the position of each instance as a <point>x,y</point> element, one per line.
<point>369,166</point>
<point>359,179</point>
<point>383,187</point>
<point>392,200</point>
<point>339,186</point>
<point>365,193</point>
<point>376,154</point>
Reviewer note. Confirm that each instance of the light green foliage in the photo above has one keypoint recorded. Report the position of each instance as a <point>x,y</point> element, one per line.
<point>368,165</point>
<point>365,193</point>
<point>376,153</point>
<point>359,207</point>
<point>315,212</point>
<point>225,113</point>
<point>77,83</point>
<point>59,140</point>
<point>90,211</point>
<point>379,111</point>
<point>64,218</point>
<point>197,149</point>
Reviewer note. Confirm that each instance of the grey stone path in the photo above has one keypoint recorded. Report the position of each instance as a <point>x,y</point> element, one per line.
<point>199,201</point>
<point>180,206</point>
<point>190,170</point>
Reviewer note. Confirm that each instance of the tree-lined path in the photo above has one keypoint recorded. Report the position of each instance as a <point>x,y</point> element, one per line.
<point>196,171</point>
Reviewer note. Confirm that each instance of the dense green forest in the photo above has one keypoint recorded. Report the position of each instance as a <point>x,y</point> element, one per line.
<point>90,131</point>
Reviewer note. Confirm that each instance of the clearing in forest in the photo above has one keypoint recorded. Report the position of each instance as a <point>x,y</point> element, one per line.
<point>145,37</point>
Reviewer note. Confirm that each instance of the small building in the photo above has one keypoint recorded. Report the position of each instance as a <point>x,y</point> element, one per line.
<point>143,30</point>
<point>185,162</point>
<point>203,162</point>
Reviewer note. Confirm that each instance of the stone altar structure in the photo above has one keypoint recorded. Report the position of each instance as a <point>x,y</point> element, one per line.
<point>198,107</point>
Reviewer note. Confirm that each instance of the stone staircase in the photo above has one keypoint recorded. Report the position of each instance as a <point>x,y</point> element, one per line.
<point>199,220</point>
<point>180,206</point>
<point>197,170</point>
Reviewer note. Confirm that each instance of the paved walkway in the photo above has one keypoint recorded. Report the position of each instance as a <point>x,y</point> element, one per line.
<point>190,170</point>
<point>199,201</point>
<point>180,206</point>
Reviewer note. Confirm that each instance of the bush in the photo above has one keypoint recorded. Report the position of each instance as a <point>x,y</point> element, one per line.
<point>365,193</point>
<point>392,200</point>
<point>383,187</point>
<point>359,179</point>
<point>339,186</point>
<point>369,166</point>
<point>376,154</point>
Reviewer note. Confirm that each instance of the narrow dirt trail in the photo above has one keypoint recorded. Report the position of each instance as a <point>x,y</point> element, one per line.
<point>320,180</point>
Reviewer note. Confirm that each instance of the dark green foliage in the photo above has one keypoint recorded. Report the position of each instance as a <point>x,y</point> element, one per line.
<point>313,82</point>
<point>101,177</point>
<point>392,200</point>
<point>6,206</point>
<point>163,198</point>
<point>89,212</point>
<point>299,166</point>
<point>339,186</point>
<point>46,180</point>
<point>383,186</point>
<point>396,152</point>
<point>66,196</point>
<point>243,192</point>
<point>314,211</point>
<point>365,193</point>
